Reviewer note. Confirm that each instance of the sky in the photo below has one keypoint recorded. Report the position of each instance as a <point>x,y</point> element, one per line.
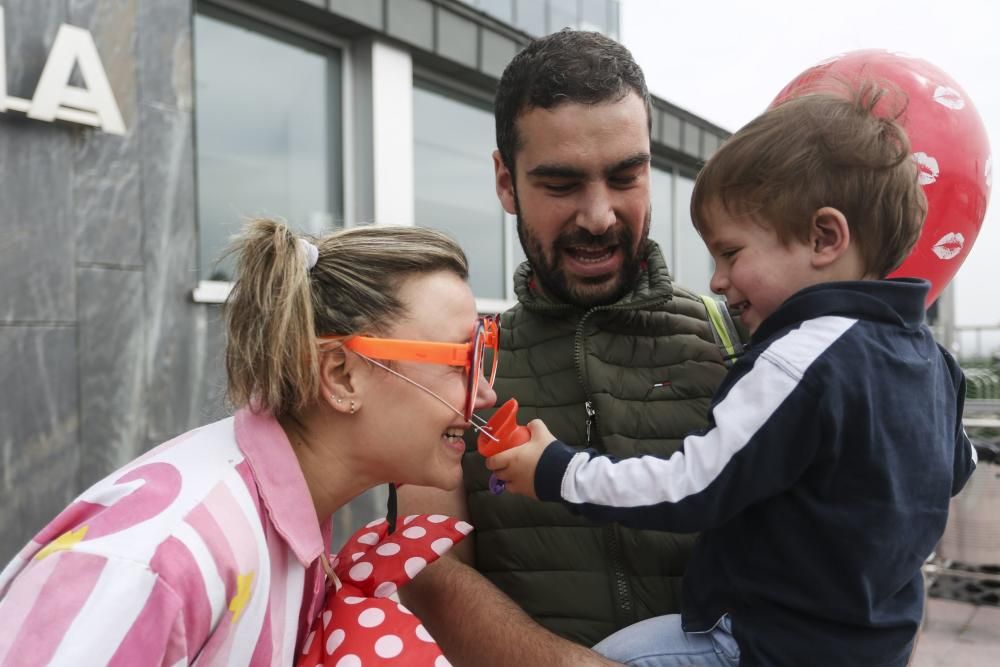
<point>725,60</point>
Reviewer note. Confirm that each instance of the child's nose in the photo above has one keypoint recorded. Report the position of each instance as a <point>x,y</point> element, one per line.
<point>719,282</point>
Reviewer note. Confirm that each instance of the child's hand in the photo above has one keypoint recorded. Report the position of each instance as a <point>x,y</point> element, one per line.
<point>516,466</point>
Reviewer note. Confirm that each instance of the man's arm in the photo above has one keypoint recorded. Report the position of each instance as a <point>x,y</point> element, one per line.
<point>472,620</point>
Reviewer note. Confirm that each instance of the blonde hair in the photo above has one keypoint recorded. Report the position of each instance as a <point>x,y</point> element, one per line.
<point>825,148</point>
<point>278,306</point>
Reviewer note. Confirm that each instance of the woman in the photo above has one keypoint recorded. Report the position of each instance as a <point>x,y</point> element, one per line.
<point>208,547</point>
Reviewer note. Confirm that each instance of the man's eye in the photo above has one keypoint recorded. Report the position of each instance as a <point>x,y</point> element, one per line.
<point>623,181</point>
<point>559,187</point>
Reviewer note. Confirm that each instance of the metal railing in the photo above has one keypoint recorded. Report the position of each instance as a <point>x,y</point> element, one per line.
<point>966,563</point>
<point>982,383</point>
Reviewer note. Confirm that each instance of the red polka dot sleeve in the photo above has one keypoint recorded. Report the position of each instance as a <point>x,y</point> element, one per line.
<point>362,622</point>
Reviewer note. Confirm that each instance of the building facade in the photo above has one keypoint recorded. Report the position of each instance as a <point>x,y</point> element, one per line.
<point>136,134</point>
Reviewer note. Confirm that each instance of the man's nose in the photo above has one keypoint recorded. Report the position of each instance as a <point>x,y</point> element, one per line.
<point>597,211</point>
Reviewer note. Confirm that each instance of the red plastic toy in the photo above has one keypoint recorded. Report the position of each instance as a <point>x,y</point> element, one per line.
<point>504,427</point>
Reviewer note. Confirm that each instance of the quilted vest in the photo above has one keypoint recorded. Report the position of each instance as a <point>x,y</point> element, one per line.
<point>629,378</point>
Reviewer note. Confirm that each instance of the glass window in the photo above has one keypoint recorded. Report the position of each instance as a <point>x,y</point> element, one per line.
<point>613,19</point>
<point>562,14</point>
<point>268,142</point>
<point>454,183</point>
<point>661,226</point>
<point>594,15</point>
<point>529,16</point>
<point>501,9</point>
<point>694,263</point>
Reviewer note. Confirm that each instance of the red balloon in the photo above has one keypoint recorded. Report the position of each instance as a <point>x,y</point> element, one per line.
<point>949,143</point>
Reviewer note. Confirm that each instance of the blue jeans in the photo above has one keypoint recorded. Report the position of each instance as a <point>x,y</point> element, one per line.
<point>661,642</point>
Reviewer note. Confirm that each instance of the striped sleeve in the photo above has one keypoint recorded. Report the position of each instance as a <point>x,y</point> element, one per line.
<point>73,607</point>
<point>766,432</point>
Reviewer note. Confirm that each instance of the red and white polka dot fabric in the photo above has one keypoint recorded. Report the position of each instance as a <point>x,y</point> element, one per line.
<point>362,622</point>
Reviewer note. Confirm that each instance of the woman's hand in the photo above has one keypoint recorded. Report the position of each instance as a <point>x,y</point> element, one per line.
<point>516,466</point>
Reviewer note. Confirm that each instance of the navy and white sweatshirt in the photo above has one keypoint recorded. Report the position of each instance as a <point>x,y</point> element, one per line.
<point>821,486</point>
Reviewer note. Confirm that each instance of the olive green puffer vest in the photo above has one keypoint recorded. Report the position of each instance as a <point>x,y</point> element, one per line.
<point>629,378</point>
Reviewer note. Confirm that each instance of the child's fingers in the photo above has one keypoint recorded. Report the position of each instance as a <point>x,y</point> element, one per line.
<point>520,486</point>
<point>498,461</point>
<point>539,431</point>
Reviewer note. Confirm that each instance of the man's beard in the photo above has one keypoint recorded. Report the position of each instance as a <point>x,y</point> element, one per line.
<point>584,292</point>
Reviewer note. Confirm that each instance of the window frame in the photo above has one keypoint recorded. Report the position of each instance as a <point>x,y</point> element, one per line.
<point>435,82</point>
<point>288,30</point>
<point>692,175</point>
<point>676,170</point>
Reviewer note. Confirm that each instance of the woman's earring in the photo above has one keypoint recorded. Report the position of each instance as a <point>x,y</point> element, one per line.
<point>353,409</point>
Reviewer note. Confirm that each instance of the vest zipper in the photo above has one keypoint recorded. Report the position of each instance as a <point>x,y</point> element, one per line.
<point>588,405</point>
<point>591,417</point>
<point>621,590</point>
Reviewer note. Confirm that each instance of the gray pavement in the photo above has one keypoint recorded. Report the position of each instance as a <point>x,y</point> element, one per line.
<point>958,634</point>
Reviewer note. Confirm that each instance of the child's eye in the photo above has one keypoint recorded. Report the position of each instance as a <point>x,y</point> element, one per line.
<point>729,254</point>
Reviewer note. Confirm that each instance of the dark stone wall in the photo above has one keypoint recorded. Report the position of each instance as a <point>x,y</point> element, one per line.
<point>103,354</point>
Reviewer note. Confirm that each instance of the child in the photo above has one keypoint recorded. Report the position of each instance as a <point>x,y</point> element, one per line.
<point>836,441</point>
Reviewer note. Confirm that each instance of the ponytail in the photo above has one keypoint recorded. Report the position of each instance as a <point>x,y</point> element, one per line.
<point>287,293</point>
<point>271,353</point>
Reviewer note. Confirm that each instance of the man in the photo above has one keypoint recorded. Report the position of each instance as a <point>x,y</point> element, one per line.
<point>601,345</point>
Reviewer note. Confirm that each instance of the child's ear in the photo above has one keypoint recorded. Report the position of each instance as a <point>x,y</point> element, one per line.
<point>829,236</point>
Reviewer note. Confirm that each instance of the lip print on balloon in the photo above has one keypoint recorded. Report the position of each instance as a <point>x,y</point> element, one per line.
<point>928,167</point>
<point>949,97</point>
<point>949,245</point>
<point>949,144</point>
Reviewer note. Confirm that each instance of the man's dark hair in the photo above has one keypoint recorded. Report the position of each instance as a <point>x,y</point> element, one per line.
<point>569,66</point>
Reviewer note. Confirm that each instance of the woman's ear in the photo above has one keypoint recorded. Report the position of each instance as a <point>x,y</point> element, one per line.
<point>339,375</point>
<point>829,236</point>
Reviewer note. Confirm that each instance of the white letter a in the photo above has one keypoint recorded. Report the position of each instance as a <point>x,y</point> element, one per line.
<point>55,98</point>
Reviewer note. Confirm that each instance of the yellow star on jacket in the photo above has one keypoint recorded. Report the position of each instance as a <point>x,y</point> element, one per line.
<point>64,542</point>
<point>244,584</point>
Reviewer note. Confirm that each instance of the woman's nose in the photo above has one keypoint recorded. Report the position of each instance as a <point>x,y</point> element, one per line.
<point>486,397</point>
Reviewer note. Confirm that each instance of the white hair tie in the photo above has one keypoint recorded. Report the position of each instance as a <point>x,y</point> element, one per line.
<point>311,253</point>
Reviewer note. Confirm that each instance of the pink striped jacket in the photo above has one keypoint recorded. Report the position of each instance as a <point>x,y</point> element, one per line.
<point>203,551</point>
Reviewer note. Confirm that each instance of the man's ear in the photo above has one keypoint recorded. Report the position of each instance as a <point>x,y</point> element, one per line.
<point>504,184</point>
<point>340,380</point>
<point>829,236</point>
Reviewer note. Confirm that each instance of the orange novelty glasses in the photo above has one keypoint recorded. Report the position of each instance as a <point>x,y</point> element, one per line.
<point>471,356</point>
